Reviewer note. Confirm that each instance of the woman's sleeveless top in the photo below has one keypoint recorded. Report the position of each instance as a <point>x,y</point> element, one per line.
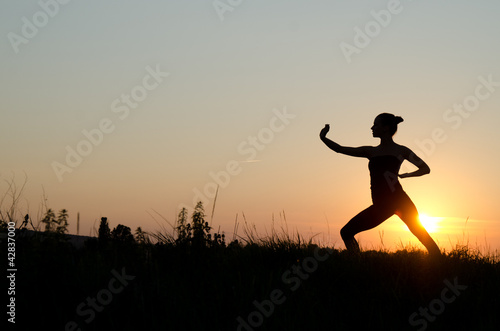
<point>384,170</point>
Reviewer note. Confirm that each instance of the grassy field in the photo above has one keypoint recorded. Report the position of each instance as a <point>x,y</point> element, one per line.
<point>274,283</point>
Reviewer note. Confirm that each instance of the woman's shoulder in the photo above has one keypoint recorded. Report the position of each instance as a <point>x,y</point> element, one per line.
<point>370,151</point>
<point>398,151</point>
<point>403,151</point>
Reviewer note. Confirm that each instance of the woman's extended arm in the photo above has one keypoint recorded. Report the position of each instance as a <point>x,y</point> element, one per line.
<point>351,151</point>
<point>423,168</point>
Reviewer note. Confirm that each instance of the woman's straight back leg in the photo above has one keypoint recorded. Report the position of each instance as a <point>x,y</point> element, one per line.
<point>409,214</point>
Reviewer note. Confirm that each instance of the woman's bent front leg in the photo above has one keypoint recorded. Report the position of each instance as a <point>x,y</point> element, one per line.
<point>365,220</point>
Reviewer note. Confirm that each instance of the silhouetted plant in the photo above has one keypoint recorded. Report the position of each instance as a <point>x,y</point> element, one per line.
<point>57,225</point>
<point>201,229</point>
<point>49,220</point>
<point>219,240</point>
<point>183,228</point>
<point>104,232</point>
<point>12,196</point>
<point>3,225</point>
<point>122,234</point>
<point>141,237</point>
<point>196,233</point>
<point>62,222</point>
<point>25,222</point>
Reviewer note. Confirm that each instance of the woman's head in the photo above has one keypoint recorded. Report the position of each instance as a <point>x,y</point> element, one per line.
<point>386,122</point>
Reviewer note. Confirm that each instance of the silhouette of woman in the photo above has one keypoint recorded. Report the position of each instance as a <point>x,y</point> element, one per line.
<point>387,193</point>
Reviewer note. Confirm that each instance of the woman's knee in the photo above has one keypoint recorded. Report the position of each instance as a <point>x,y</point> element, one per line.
<point>345,233</point>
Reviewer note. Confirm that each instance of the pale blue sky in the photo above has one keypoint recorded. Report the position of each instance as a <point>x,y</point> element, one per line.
<point>225,79</point>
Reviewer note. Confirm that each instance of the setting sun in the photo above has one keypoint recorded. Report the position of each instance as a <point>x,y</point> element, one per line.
<point>430,223</point>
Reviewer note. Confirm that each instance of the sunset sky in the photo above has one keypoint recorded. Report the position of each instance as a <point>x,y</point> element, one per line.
<point>133,109</point>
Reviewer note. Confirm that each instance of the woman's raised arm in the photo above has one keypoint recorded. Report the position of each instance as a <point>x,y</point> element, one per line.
<point>363,151</point>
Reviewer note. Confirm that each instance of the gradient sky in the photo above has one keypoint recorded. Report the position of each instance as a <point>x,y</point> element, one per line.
<point>231,70</point>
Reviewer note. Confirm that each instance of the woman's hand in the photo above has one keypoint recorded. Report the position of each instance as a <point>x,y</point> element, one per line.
<point>324,131</point>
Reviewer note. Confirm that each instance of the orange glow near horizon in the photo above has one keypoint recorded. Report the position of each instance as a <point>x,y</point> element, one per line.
<point>229,113</point>
<point>430,223</point>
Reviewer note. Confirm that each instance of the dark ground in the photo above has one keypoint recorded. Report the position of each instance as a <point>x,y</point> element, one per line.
<point>284,286</point>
